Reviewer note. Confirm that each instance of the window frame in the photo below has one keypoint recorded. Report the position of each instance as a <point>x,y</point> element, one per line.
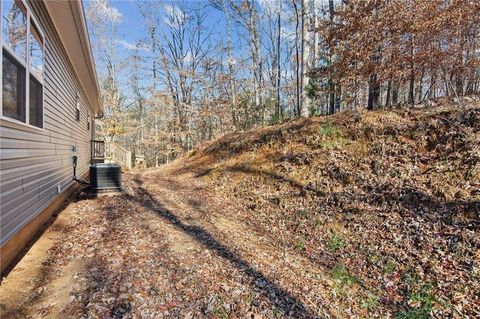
<point>25,64</point>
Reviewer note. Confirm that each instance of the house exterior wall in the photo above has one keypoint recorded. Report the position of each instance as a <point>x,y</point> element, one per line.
<point>33,162</point>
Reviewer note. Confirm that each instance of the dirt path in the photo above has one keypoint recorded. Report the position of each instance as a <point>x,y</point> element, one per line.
<point>167,248</point>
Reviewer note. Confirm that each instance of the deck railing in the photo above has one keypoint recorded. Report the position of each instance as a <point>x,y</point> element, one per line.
<point>98,151</point>
<point>110,152</point>
<point>118,154</point>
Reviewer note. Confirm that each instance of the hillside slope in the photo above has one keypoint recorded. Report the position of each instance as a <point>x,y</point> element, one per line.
<point>387,202</point>
<point>357,215</point>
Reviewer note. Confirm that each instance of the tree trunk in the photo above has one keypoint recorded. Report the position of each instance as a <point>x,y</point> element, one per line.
<point>306,58</point>
<point>230,67</point>
<point>389,90</point>
<point>297,57</point>
<point>331,83</point>
<point>279,35</point>
<point>331,98</point>
<point>411,89</point>
<point>373,93</point>
<point>338,97</point>
<point>316,34</point>
<point>420,86</point>
<point>255,54</point>
<point>459,84</point>
<point>432,87</point>
<point>395,93</point>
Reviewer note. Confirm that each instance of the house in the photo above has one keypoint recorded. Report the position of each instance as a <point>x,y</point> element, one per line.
<point>50,99</point>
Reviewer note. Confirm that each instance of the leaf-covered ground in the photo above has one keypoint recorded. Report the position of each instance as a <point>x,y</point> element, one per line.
<point>165,249</point>
<point>366,215</point>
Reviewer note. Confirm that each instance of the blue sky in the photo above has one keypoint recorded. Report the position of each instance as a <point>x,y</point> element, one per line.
<point>130,30</point>
<point>130,27</point>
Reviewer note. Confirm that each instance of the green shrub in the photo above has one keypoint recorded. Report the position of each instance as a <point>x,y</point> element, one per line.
<point>370,303</point>
<point>331,136</point>
<point>328,130</point>
<point>335,243</point>
<point>426,299</point>
<point>416,313</point>
<point>424,296</point>
<point>340,274</point>
<point>299,246</point>
<point>390,266</point>
<point>410,276</point>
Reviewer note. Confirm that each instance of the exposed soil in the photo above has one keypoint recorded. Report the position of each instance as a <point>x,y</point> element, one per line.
<point>361,215</point>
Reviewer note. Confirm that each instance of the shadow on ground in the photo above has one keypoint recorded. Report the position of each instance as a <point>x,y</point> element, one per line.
<point>278,297</point>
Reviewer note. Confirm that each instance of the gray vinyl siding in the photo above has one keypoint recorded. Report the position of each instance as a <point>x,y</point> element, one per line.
<point>34,162</point>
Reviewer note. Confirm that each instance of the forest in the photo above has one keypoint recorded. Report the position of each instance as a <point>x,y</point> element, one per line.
<point>191,77</point>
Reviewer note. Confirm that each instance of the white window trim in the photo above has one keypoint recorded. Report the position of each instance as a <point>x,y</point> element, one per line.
<point>26,65</point>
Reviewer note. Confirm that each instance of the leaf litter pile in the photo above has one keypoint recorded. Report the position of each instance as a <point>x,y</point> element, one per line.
<point>385,202</point>
<point>366,215</point>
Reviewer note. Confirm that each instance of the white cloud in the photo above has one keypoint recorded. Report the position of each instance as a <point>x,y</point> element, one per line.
<point>270,6</point>
<point>188,58</point>
<point>287,32</point>
<point>131,46</point>
<point>174,15</point>
<point>105,9</point>
<point>231,61</point>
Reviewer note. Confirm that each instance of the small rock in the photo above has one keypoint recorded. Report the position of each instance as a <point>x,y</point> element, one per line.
<point>225,287</point>
<point>227,307</point>
<point>41,290</point>
<point>461,194</point>
<point>211,305</point>
<point>260,283</point>
<point>236,293</point>
<point>178,285</point>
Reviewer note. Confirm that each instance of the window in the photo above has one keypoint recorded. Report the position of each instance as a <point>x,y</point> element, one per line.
<point>14,27</point>
<point>13,85</point>
<point>36,96</point>
<point>22,64</point>
<point>77,108</point>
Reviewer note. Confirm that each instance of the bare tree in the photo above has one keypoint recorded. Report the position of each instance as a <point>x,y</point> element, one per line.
<point>298,70</point>
<point>104,31</point>
<point>307,12</point>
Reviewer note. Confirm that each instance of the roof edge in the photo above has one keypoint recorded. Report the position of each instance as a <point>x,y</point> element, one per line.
<point>84,58</point>
<point>89,54</point>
